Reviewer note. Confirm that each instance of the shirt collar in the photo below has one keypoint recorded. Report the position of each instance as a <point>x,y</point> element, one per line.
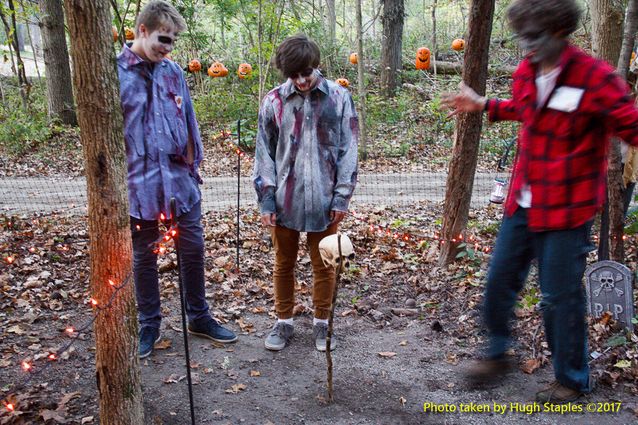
<point>128,58</point>
<point>288,88</point>
<point>566,57</point>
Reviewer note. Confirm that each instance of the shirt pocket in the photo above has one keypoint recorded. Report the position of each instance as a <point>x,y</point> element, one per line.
<point>175,119</point>
<point>328,131</point>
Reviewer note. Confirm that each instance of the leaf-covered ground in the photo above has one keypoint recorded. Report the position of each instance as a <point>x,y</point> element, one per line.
<point>407,328</point>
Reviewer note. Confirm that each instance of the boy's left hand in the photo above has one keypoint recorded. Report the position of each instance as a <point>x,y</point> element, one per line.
<point>336,216</point>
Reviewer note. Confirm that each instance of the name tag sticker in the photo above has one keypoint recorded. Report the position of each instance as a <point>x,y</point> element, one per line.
<point>566,99</point>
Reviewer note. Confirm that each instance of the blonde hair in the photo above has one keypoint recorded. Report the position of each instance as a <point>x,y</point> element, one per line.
<point>157,13</point>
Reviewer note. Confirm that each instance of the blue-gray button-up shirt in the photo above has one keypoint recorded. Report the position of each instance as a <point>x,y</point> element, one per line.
<point>306,154</point>
<point>159,125</point>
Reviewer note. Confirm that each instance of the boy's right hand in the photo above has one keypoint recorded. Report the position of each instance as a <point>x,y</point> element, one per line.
<point>466,100</point>
<point>269,220</point>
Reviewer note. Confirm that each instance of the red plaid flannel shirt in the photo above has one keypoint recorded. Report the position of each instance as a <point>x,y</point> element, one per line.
<point>562,155</point>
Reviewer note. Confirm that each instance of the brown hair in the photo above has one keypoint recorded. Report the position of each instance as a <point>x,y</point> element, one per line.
<point>157,13</point>
<point>554,16</point>
<point>297,53</point>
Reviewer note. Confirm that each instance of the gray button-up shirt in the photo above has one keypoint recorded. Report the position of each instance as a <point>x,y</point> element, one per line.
<point>306,154</point>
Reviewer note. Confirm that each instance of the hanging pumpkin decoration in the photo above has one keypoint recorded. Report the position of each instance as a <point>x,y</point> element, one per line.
<point>458,44</point>
<point>194,66</point>
<point>244,70</point>
<point>354,58</point>
<point>423,58</point>
<point>115,34</point>
<point>343,82</point>
<point>129,34</point>
<point>217,70</point>
<point>633,58</point>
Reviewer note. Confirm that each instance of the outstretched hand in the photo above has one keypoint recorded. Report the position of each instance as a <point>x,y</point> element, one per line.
<point>466,100</point>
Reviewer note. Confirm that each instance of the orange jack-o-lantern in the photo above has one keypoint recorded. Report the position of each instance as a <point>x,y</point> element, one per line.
<point>354,58</point>
<point>217,70</point>
<point>224,72</point>
<point>115,34</point>
<point>423,58</point>
<point>129,34</point>
<point>633,57</point>
<point>194,66</point>
<point>343,82</point>
<point>244,70</point>
<point>458,44</point>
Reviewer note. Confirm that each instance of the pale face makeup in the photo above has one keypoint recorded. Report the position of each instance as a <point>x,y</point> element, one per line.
<point>305,80</point>
<point>154,46</point>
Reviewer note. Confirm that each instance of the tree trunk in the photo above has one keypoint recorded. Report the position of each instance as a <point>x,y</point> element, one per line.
<point>56,62</point>
<point>393,16</point>
<point>460,179</point>
<point>607,29</point>
<point>607,39</point>
<point>361,83</point>
<point>101,126</point>
<point>435,50</point>
<point>12,38</point>
<point>331,21</point>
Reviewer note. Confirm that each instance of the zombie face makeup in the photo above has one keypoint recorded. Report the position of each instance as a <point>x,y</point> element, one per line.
<point>154,46</point>
<point>305,80</point>
<point>540,46</point>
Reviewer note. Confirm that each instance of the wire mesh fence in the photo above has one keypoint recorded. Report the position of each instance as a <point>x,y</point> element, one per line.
<point>27,195</point>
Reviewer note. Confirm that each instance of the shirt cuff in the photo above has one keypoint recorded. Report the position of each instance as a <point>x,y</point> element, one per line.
<point>339,203</point>
<point>267,201</point>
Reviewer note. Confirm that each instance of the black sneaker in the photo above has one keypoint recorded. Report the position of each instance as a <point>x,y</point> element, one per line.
<point>209,328</point>
<point>148,337</point>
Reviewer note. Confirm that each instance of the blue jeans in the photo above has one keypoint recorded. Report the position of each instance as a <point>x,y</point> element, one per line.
<point>191,250</point>
<point>561,256</point>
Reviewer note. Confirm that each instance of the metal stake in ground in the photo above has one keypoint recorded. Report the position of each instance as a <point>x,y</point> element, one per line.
<point>182,299</point>
<point>238,189</point>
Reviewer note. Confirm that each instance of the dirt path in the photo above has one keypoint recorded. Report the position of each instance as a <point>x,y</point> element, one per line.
<point>369,389</point>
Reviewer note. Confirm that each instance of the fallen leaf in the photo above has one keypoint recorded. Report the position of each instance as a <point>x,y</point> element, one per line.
<point>623,364</point>
<point>16,330</point>
<point>529,366</point>
<point>387,354</point>
<point>236,388</point>
<point>255,373</point>
<point>163,344</point>
<point>87,420</point>
<point>402,400</point>
<point>173,379</point>
<point>55,415</point>
<point>403,343</point>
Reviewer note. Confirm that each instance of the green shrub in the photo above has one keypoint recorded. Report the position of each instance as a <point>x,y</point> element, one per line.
<point>21,129</point>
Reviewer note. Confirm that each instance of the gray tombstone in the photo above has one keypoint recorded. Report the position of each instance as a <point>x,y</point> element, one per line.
<point>609,288</point>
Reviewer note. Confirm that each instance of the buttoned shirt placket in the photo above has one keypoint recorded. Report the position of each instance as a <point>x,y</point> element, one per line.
<point>164,132</point>
<point>307,130</point>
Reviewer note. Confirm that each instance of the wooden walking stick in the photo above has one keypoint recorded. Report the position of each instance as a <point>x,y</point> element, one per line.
<point>337,256</point>
<point>331,321</point>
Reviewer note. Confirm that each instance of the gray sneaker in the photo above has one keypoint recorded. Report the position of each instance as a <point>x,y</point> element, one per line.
<point>320,332</point>
<point>280,336</point>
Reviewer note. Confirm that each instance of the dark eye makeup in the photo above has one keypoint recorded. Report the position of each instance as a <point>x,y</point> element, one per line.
<point>305,73</point>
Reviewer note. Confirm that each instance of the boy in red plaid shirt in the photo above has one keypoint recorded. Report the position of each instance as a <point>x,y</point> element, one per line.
<point>569,104</point>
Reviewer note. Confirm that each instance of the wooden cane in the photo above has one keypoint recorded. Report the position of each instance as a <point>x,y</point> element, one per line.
<point>331,319</point>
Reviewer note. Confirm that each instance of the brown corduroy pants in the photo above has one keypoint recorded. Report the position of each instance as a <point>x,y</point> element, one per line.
<point>286,244</point>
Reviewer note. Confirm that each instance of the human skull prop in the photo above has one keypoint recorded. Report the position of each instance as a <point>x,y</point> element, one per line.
<point>329,250</point>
